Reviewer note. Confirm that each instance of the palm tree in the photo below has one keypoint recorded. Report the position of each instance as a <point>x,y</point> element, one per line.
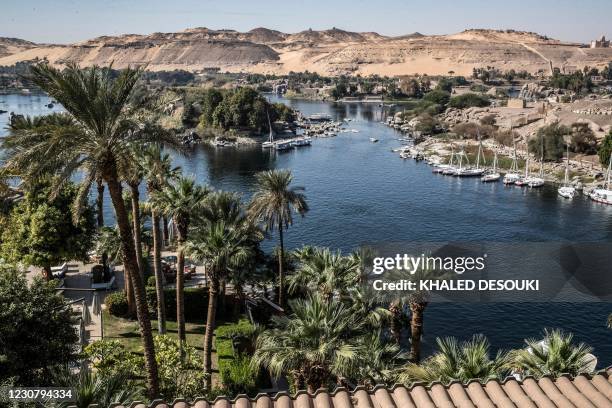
<point>93,388</point>
<point>316,343</point>
<point>223,245</point>
<point>457,361</point>
<point>157,170</point>
<point>94,138</point>
<point>325,271</point>
<point>180,201</point>
<point>555,355</point>
<point>273,204</point>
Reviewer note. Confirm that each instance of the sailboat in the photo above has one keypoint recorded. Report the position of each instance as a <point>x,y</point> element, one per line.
<point>604,195</point>
<point>524,181</point>
<point>567,191</point>
<point>539,181</point>
<point>494,175</point>
<point>270,142</point>
<point>513,176</point>
<point>472,171</point>
<point>449,170</point>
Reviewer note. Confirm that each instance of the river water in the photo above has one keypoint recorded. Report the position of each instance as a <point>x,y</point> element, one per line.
<point>360,192</point>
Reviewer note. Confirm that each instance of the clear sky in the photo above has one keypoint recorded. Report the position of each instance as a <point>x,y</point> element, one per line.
<point>65,21</point>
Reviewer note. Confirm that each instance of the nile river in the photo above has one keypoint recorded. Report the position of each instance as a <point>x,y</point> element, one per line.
<point>360,192</point>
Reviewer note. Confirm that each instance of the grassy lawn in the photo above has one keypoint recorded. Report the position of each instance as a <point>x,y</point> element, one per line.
<point>127,332</point>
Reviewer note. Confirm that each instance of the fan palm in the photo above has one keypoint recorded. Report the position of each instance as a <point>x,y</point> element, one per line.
<point>325,271</point>
<point>457,361</point>
<point>273,204</point>
<point>95,138</point>
<point>180,201</point>
<point>157,170</point>
<point>222,245</point>
<point>316,343</point>
<point>555,355</point>
<point>92,388</point>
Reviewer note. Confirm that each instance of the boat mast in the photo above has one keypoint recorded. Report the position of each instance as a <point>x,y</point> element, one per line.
<point>495,162</point>
<point>567,166</point>
<point>479,150</point>
<point>271,137</point>
<point>542,157</point>
<point>527,162</point>
<point>514,167</point>
<point>607,186</point>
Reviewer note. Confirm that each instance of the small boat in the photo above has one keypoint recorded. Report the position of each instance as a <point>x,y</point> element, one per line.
<point>270,142</point>
<point>283,145</point>
<point>494,175</point>
<point>439,169</point>
<point>468,171</point>
<point>603,195</point>
<point>566,191</point>
<point>539,180</point>
<point>302,142</point>
<point>219,143</point>
<point>354,130</point>
<point>373,140</point>
<point>449,169</point>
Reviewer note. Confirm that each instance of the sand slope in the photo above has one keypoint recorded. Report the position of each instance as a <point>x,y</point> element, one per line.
<point>329,52</point>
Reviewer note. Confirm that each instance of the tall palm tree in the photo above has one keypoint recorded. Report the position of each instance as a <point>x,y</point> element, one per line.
<point>555,355</point>
<point>316,343</point>
<point>273,204</point>
<point>95,139</point>
<point>223,245</point>
<point>157,171</point>
<point>457,361</point>
<point>180,201</point>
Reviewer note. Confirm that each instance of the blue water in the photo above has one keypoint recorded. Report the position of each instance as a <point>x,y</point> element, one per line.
<point>362,193</point>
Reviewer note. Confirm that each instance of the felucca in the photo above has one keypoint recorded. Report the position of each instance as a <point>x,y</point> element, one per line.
<point>494,175</point>
<point>604,195</point>
<point>512,176</point>
<point>567,191</point>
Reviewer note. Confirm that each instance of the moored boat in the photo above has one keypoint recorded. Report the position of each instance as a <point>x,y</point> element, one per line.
<point>566,191</point>
<point>603,195</point>
<point>494,175</point>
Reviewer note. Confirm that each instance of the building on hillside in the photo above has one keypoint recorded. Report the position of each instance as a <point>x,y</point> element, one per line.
<point>517,103</point>
<point>601,43</point>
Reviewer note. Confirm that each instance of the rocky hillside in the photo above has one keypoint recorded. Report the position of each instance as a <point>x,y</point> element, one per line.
<point>328,52</point>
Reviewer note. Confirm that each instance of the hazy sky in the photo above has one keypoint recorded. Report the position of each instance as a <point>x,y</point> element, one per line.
<point>73,20</point>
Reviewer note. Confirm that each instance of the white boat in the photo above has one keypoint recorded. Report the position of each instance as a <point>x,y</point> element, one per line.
<point>270,142</point>
<point>439,168</point>
<point>566,191</point>
<point>538,181</point>
<point>468,171</point>
<point>373,140</point>
<point>302,142</point>
<point>450,169</point>
<point>494,175</point>
<point>283,145</point>
<point>603,195</point>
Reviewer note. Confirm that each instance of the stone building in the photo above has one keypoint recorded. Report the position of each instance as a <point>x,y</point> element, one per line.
<point>601,43</point>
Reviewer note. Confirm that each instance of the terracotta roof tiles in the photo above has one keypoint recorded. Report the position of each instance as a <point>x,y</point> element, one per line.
<point>579,392</point>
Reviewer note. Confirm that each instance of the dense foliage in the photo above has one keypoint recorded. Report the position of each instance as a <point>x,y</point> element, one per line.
<point>605,150</point>
<point>469,100</point>
<point>576,82</point>
<point>36,327</point>
<point>242,108</point>
<point>551,139</point>
<point>41,231</point>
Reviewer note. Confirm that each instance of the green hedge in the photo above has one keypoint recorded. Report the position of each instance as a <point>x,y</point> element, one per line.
<point>116,303</point>
<point>196,304</point>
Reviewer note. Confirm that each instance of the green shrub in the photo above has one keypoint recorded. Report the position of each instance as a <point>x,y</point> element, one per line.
<point>151,281</point>
<point>469,100</point>
<point>116,303</point>
<point>110,357</point>
<point>239,377</point>
<point>437,96</point>
<point>605,150</point>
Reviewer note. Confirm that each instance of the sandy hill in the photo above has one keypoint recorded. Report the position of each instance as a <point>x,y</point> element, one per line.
<point>329,52</point>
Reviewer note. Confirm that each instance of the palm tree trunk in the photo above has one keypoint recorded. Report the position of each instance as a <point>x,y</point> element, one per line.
<point>281,267</point>
<point>135,196</point>
<point>100,203</point>
<point>165,229</point>
<point>131,266</point>
<point>129,292</point>
<point>395,324</point>
<point>210,327</point>
<point>416,329</point>
<point>180,284</point>
<point>159,277</point>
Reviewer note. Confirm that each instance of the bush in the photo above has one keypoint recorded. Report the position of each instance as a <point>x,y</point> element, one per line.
<point>551,138</point>
<point>116,303</point>
<point>605,150</point>
<point>469,100</point>
<point>110,357</point>
<point>506,137</point>
<point>239,377</point>
<point>583,139</point>
<point>438,96</point>
<point>151,281</point>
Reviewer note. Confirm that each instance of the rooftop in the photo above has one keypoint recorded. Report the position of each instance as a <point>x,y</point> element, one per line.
<point>583,391</point>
